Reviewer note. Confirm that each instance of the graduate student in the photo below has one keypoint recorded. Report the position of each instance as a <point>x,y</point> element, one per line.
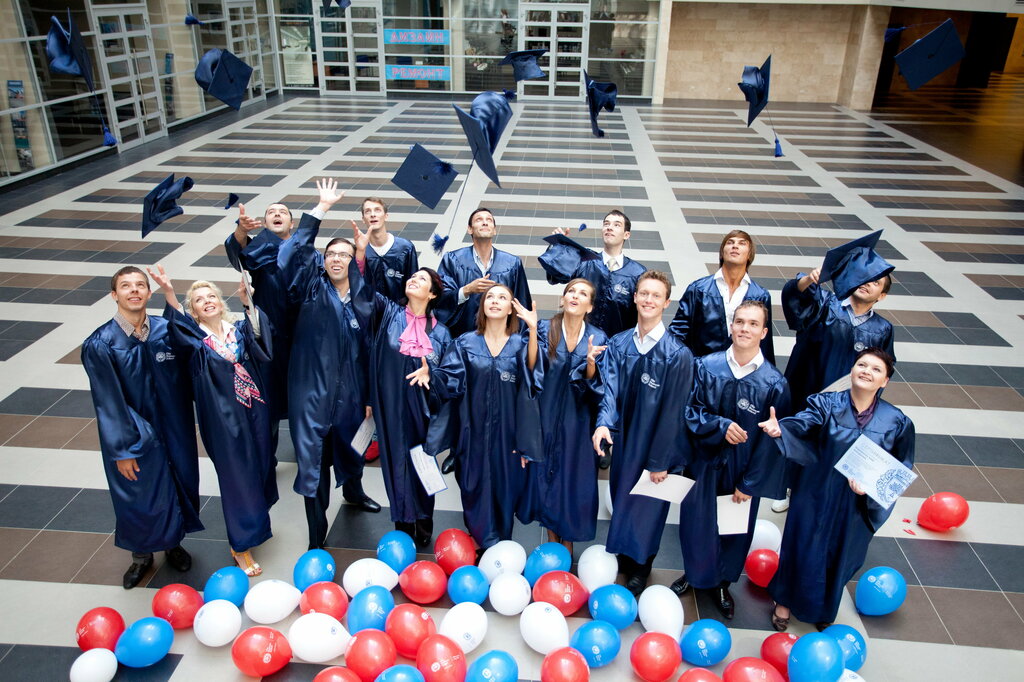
<point>831,520</point>
<point>612,272</point>
<point>147,436</point>
<point>647,376</point>
<point>233,416</point>
<point>561,490</point>
<point>704,317</point>
<point>328,397</point>
<point>390,260</point>
<point>733,390</point>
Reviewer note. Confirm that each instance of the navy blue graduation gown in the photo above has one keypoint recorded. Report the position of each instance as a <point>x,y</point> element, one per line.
<point>614,309</point>
<point>482,423</point>
<point>236,437</point>
<point>644,405</point>
<point>826,340</point>
<point>700,320</point>
<point>561,490</point>
<point>391,271</point>
<point>754,467</point>
<point>828,527</point>
<point>327,372</point>
<point>401,412</point>
<point>458,268</point>
<point>144,411</point>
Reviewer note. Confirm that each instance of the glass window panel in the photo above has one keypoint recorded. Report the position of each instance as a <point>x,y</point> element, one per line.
<point>364,27</point>
<point>335,71</point>
<point>487,37</point>
<point>484,74</point>
<point>36,14</point>
<point>335,41</point>
<point>113,47</point>
<point>535,88</point>
<point>632,78</point>
<point>152,125</point>
<point>118,69</point>
<point>108,24</point>
<point>368,86</point>
<point>129,133</point>
<point>365,43</point>
<point>366,58</point>
<point>143,65</point>
<point>629,41</point>
<point>362,12</point>
<point>135,22</point>
<point>122,91</point>
<point>335,57</point>
<point>125,112</point>
<point>567,90</point>
<point>339,85</point>
<point>570,17</point>
<point>23,142</point>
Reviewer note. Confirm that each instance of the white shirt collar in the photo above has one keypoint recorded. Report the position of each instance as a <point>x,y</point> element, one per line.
<point>652,336</point>
<point>619,260</point>
<point>224,328</point>
<point>720,275</point>
<point>739,371</point>
<point>579,337</point>
<point>848,304</point>
<point>388,243</point>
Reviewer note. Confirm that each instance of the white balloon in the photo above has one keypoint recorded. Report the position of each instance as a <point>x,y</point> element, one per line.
<point>606,497</point>
<point>507,556</point>
<point>544,628</point>
<point>597,567</point>
<point>94,665</point>
<point>766,536</point>
<point>317,637</point>
<point>271,601</point>
<point>850,676</point>
<point>661,611</point>
<point>217,623</point>
<point>366,572</point>
<point>465,624</point>
<point>510,593</point>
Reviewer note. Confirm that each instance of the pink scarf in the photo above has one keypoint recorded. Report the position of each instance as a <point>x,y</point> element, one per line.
<point>245,388</point>
<point>414,341</point>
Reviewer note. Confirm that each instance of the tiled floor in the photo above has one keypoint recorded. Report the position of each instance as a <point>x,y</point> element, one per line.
<point>685,173</point>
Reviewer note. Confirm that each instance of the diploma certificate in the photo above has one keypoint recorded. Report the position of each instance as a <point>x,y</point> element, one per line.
<point>883,477</point>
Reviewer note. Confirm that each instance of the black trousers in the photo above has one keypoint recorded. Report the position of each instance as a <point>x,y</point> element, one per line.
<point>316,506</point>
<point>631,568</point>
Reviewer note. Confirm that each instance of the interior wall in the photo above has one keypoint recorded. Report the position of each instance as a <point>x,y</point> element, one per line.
<point>1015,58</point>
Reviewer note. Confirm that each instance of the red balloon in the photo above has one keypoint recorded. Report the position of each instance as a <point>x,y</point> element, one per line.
<point>260,651</point>
<point>761,565</point>
<point>943,511</point>
<point>695,675</point>
<point>750,669</point>
<point>441,660</point>
<point>408,625</point>
<point>424,582</point>
<point>99,628</point>
<point>177,604</point>
<point>370,652</point>
<point>372,452</point>
<point>775,649</point>
<point>336,673</point>
<point>655,656</point>
<point>324,597</point>
<point>454,548</point>
<point>562,590</point>
<point>564,665</point>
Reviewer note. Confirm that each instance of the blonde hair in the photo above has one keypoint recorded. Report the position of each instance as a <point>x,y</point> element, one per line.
<point>225,314</point>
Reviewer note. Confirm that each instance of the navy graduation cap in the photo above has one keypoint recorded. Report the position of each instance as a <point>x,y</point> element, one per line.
<point>754,84</point>
<point>599,96</point>
<point>190,20</point>
<point>66,53</point>
<point>853,264</point>
<point>483,125</point>
<point>424,176</point>
<point>524,64</point>
<point>224,76</point>
<point>931,55</point>
<point>160,204</point>
<point>342,4</point>
<point>232,200</point>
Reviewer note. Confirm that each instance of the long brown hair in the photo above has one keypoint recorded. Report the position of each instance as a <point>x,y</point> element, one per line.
<point>511,322</point>
<point>555,328</point>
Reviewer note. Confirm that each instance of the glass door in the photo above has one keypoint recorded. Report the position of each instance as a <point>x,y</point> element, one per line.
<point>244,42</point>
<point>562,30</point>
<point>351,48</point>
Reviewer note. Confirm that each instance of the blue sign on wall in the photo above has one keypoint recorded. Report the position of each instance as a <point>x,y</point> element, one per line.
<point>413,36</point>
<point>398,72</point>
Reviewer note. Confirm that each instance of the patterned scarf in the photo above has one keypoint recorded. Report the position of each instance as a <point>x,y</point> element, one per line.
<point>245,388</point>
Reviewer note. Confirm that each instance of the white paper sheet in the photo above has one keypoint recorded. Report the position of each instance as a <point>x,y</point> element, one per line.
<point>428,471</point>
<point>883,477</point>
<point>733,518</point>
<point>364,434</point>
<point>672,489</point>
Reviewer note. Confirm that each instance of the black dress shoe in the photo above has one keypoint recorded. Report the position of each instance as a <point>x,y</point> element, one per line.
<point>821,626</point>
<point>636,584</point>
<point>424,532</point>
<point>448,465</point>
<point>179,558</point>
<point>365,503</point>
<point>133,576</point>
<point>724,602</point>
<point>681,585</point>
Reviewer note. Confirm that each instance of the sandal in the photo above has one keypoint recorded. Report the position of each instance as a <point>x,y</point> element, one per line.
<point>247,563</point>
<point>779,623</point>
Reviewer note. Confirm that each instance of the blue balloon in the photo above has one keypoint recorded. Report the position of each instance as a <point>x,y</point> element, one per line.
<point>614,604</point>
<point>598,641</point>
<point>230,583</point>
<point>551,556</point>
<point>396,549</point>
<point>705,642</point>
<point>369,609</point>
<point>855,649</point>
<point>468,583</point>
<point>315,566</point>
<point>494,666</point>
<point>880,591</point>
<point>815,658</point>
<point>400,673</point>
<point>145,642</point>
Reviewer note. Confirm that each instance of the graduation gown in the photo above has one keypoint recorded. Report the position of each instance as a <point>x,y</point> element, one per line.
<point>401,412</point>
<point>754,467</point>
<point>327,371</point>
<point>482,424</point>
<point>144,411</point>
<point>644,405</point>
<point>458,268</point>
<point>826,340</point>
<point>561,490</point>
<point>700,320</point>
<point>390,271</point>
<point>236,437</point>
<point>828,527</point>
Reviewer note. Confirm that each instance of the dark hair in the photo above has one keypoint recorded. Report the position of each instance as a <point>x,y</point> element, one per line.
<point>625,219</point>
<point>888,283</point>
<point>888,360</point>
<point>127,270</point>
<point>742,235</point>
<point>752,303</point>
<point>376,200</point>
<point>658,276</point>
<point>555,328</point>
<point>339,240</point>
<point>511,322</point>
<point>279,203</point>
<point>436,288</point>
<point>480,210</point>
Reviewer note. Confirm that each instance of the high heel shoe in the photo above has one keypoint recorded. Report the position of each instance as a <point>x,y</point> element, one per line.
<point>247,563</point>
<point>778,622</point>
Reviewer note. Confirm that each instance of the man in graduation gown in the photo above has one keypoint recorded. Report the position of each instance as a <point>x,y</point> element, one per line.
<point>732,392</point>
<point>612,273</point>
<point>147,435</point>
<point>704,317</point>
<point>647,376</point>
<point>390,260</point>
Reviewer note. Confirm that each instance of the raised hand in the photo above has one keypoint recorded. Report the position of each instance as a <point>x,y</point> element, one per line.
<point>421,377</point>
<point>161,278</point>
<point>735,434</point>
<point>359,238</point>
<point>529,317</point>
<point>247,223</point>
<point>329,194</point>
<point>478,286</point>
<point>593,351</point>
<point>771,425</point>
<point>564,231</point>
<point>243,293</point>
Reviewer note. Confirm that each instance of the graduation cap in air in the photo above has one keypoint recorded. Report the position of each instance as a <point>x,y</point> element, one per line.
<point>342,4</point>
<point>524,64</point>
<point>232,200</point>
<point>754,84</point>
<point>224,76</point>
<point>892,32</point>
<point>424,176</point>
<point>483,125</point>
<point>565,256</point>
<point>931,55</point>
<point>190,20</point>
<point>160,204</point>
<point>599,96</point>
<point>66,52</point>
<point>853,264</point>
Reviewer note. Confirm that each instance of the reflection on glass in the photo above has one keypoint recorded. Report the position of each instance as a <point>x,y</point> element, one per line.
<point>135,22</point>
<point>118,69</point>
<point>363,27</point>
<point>113,47</point>
<point>109,24</point>
<point>125,112</point>
<point>632,78</point>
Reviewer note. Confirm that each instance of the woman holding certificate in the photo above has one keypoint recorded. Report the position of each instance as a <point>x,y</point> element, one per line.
<point>831,520</point>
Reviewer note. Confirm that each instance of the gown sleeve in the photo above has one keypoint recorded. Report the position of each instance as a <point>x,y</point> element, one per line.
<point>529,438</point>
<point>680,327</point>
<point>447,382</point>
<point>124,434</point>
<point>802,308</point>
<point>798,441</point>
<point>521,288</point>
<point>297,261</point>
<point>368,304</point>
<point>706,426</point>
<point>258,345</point>
<point>607,369</point>
<point>234,251</point>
